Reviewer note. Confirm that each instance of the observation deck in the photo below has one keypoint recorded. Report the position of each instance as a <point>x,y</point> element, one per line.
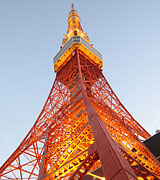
<point>68,49</point>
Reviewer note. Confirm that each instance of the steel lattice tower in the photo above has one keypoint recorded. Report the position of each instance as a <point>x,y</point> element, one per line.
<point>83,125</point>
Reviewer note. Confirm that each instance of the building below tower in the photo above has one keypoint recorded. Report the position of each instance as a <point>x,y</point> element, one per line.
<point>153,144</point>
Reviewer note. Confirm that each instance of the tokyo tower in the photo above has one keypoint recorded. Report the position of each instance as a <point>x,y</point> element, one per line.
<point>83,126</point>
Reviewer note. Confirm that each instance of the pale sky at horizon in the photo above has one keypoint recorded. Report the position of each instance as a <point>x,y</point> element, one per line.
<point>126,32</point>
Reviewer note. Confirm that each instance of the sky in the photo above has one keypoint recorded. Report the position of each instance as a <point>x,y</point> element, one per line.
<point>126,32</point>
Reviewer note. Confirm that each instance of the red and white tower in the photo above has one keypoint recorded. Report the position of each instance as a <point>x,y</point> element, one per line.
<point>83,125</point>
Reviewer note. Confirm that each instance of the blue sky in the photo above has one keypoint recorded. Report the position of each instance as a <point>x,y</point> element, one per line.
<point>126,32</point>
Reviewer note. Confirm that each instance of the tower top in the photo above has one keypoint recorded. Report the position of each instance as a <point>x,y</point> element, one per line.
<point>72,6</point>
<point>74,27</point>
<point>75,38</point>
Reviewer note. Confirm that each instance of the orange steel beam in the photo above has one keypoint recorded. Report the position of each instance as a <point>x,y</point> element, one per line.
<point>86,165</point>
<point>139,170</point>
<point>113,164</point>
<point>65,120</point>
<point>81,112</point>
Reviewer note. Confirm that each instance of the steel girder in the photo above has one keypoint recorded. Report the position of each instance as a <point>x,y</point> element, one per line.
<point>58,144</point>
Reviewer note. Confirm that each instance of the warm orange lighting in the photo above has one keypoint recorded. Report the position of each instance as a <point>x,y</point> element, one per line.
<point>74,27</point>
<point>69,45</point>
<point>102,178</point>
<point>83,125</point>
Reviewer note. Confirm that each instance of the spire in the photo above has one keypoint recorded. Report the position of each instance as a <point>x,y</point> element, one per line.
<point>72,7</point>
<point>74,27</point>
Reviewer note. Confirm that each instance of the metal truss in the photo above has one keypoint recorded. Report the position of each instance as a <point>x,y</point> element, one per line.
<point>82,110</point>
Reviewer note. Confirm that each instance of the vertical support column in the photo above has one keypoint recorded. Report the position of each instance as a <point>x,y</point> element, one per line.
<point>114,165</point>
<point>43,165</point>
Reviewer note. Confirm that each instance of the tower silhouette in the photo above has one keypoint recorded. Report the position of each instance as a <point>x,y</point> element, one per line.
<point>83,125</point>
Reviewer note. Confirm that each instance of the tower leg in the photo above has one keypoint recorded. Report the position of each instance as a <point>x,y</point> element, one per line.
<point>43,166</point>
<point>114,165</point>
